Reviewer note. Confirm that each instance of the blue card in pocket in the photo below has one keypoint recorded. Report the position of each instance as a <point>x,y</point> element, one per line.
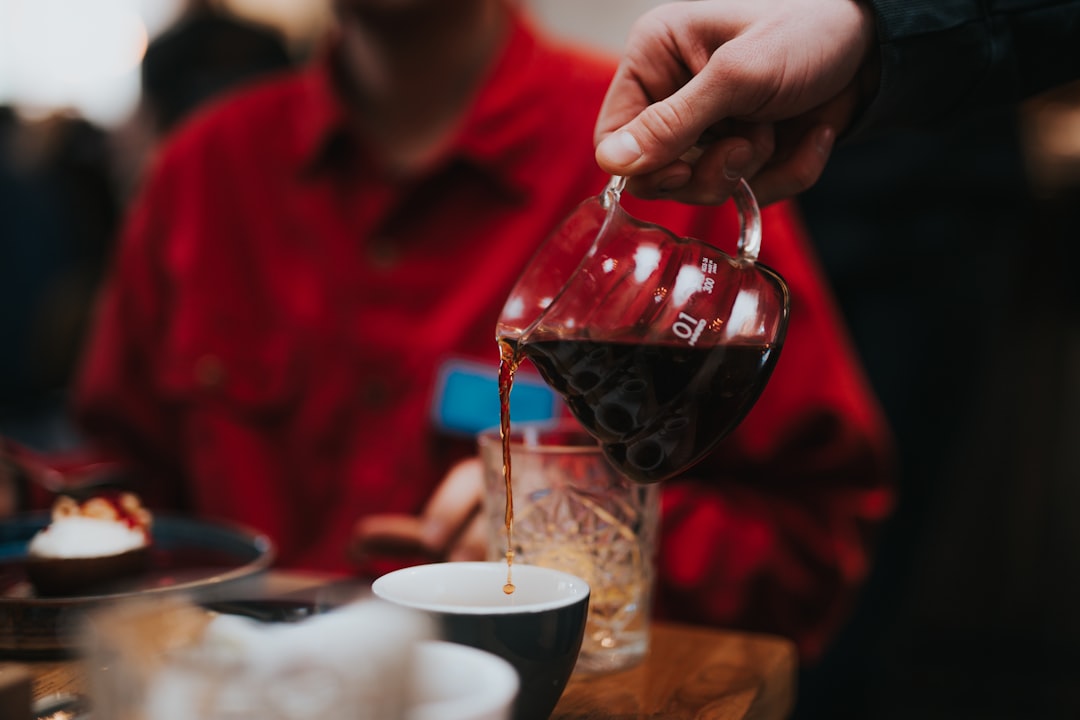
<point>466,398</point>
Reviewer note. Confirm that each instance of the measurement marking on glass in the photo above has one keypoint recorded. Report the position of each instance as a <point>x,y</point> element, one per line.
<point>688,328</point>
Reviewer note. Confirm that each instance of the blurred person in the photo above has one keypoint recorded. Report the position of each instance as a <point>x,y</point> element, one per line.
<point>307,289</point>
<point>206,52</point>
<point>59,212</point>
<point>711,91</point>
<point>63,184</point>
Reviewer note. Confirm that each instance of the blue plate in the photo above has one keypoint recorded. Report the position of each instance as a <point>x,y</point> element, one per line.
<point>198,558</point>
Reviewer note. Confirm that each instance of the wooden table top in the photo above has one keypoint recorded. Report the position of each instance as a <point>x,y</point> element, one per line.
<point>689,673</point>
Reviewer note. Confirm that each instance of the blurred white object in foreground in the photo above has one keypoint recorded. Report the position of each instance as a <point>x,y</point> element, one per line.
<point>368,660</point>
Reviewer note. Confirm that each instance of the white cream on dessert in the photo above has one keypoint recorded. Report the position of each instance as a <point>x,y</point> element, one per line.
<point>80,537</point>
<point>99,527</point>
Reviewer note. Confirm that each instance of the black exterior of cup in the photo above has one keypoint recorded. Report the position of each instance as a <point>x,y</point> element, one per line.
<point>542,646</point>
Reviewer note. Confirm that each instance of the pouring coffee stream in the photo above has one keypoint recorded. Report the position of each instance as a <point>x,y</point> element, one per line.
<point>659,344</point>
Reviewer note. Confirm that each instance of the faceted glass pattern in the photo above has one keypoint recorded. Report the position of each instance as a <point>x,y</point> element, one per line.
<point>574,512</point>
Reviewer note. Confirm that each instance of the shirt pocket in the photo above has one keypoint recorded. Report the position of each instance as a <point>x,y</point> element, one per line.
<point>245,373</point>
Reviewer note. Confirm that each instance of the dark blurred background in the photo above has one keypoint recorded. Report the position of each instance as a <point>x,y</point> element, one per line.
<point>953,254</point>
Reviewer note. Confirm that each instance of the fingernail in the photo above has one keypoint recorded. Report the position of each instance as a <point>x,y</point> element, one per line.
<point>620,148</point>
<point>736,162</point>
<point>825,138</point>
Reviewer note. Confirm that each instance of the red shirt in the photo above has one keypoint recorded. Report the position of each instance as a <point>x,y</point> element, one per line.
<point>268,347</point>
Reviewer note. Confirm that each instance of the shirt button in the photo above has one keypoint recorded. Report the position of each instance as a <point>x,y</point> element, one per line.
<point>384,254</point>
<point>209,372</point>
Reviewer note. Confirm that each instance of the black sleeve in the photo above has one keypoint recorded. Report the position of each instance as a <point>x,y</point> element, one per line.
<point>944,58</point>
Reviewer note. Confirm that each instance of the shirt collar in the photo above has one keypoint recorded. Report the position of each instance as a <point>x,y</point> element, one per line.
<point>494,136</point>
<point>322,115</point>
<point>505,116</point>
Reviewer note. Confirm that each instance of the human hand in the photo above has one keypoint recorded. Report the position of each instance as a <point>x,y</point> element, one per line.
<point>716,90</point>
<point>451,526</point>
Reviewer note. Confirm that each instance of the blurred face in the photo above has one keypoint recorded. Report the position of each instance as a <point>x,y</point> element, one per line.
<point>412,18</point>
<point>361,8</point>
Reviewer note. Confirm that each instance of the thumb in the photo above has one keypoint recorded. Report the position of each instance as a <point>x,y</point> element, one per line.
<point>660,133</point>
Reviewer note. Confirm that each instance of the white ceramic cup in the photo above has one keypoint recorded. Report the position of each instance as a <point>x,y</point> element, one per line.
<point>537,629</point>
<point>457,682</point>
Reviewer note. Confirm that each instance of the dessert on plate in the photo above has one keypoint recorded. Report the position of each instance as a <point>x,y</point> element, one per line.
<point>89,544</point>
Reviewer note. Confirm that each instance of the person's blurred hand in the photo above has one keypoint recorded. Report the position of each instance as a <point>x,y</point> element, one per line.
<point>714,90</point>
<point>451,526</point>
